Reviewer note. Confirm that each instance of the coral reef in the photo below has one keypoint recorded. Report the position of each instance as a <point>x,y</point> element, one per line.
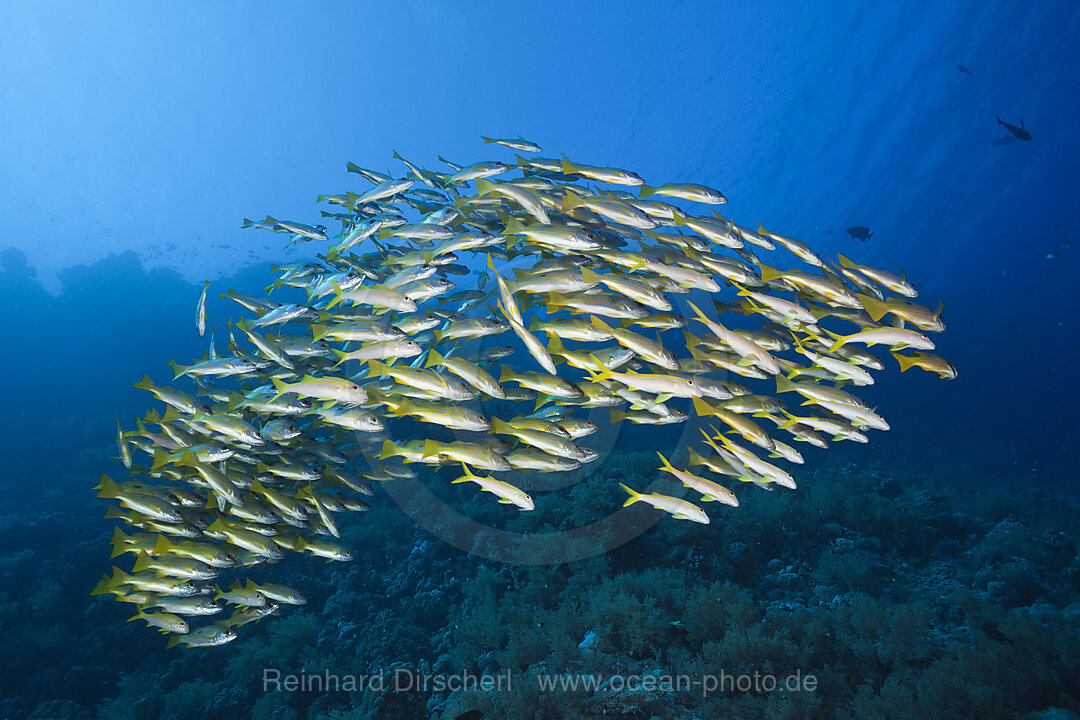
<point>898,600</point>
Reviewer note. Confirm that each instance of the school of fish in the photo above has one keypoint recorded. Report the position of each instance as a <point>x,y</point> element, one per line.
<point>470,318</point>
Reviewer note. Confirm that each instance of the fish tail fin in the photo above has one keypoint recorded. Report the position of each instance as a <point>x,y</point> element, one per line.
<point>702,408</point>
<point>119,540</point>
<point>174,640</point>
<point>906,361</point>
<point>187,459</point>
<point>601,325</point>
<point>143,562</point>
<point>634,495</point>
<point>177,369</point>
<point>146,384</point>
<point>162,545</point>
<point>791,421</point>
<point>666,465</point>
<point>602,371</point>
<point>469,475</point>
<point>161,457</point>
<point>431,449</point>
<point>280,385</point>
<point>500,427</point>
<point>847,263</point>
<point>556,347</point>
<point>506,375</point>
<point>434,358</point>
<point>697,311</point>
<point>784,384</point>
<point>875,308</point>
<point>769,273</point>
<point>513,227</point>
<point>590,276</point>
<point>570,201</point>
<point>840,341</point>
<point>646,191</point>
<point>617,415</point>
<point>109,488</point>
<point>389,450</point>
<point>104,585</point>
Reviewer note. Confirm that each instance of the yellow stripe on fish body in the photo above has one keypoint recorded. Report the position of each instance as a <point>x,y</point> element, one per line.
<point>450,416</point>
<point>652,351</point>
<point>548,384</point>
<point>469,372</point>
<point>926,361</point>
<point>630,287</point>
<point>743,426</point>
<point>507,493</point>
<point>676,507</point>
<point>710,491</point>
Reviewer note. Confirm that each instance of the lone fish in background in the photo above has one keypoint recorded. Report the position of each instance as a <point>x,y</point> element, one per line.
<point>271,440</point>
<point>860,232</point>
<point>963,69</point>
<point>521,144</point>
<point>1017,132</point>
<point>200,310</point>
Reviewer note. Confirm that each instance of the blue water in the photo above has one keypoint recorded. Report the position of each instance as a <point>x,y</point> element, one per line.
<point>136,138</point>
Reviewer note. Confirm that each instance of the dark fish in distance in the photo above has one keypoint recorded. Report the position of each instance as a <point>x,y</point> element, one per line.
<point>963,69</point>
<point>858,232</point>
<point>1018,132</point>
<point>995,634</point>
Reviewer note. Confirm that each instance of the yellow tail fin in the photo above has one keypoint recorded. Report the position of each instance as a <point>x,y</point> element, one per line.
<point>634,495</point>
<point>143,563</point>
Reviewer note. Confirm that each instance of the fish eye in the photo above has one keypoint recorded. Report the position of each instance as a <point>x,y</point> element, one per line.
<point>355,387</point>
